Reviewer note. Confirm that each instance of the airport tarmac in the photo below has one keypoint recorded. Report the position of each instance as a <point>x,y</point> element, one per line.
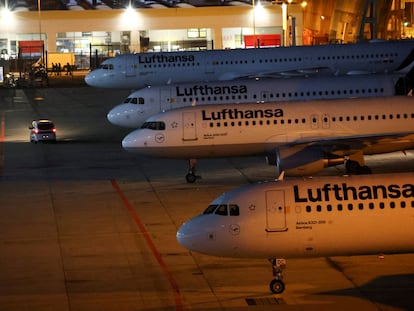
<point>87,226</point>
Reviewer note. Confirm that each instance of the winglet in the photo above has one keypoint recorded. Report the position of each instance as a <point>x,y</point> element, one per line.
<point>194,103</point>
<point>281,176</point>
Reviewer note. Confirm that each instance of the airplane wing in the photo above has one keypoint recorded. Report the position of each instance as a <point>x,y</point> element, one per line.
<point>311,155</point>
<point>228,76</point>
<point>367,144</point>
<point>290,73</point>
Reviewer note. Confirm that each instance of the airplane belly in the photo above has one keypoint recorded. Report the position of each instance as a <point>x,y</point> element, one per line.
<point>207,151</point>
<point>319,234</point>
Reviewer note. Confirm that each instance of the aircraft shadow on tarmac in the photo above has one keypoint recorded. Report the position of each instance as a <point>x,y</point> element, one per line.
<point>391,290</point>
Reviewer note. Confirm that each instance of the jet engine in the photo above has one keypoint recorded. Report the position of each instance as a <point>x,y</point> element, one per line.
<point>302,161</point>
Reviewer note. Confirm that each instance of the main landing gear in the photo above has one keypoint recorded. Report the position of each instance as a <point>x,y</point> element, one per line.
<point>277,286</point>
<point>191,177</point>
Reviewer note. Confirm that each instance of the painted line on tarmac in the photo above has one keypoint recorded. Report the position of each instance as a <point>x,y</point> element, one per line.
<point>177,296</point>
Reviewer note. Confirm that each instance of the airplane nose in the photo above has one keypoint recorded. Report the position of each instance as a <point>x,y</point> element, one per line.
<point>208,235</point>
<point>135,141</point>
<point>119,116</point>
<point>130,141</point>
<point>127,115</point>
<point>188,236</point>
<point>90,79</point>
<point>102,79</point>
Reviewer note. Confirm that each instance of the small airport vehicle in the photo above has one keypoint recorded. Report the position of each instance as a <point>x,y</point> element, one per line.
<point>42,130</point>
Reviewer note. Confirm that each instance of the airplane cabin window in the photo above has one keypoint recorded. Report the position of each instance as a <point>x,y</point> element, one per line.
<point>351,207</point>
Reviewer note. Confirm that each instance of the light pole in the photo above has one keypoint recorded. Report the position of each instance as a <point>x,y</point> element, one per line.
<point>40,33</point>
<point>39,19</point>
<point>254,23</point>
<point>284,23</point>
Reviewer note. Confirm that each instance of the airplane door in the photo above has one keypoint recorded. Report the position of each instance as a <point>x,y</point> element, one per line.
<point>130,70</point>
<point>325,121</point>
<point>264,96</point>
<point>189,126</point>
<point>209,68</point>
<point>165,99</point>
<point>314,121</point>
<point>275,211</point>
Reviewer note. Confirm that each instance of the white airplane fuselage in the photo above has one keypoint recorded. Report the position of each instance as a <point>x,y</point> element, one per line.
<point>142,104</point>
<point>297,133</point>
<point>134,71</point>
<point>312,217</point>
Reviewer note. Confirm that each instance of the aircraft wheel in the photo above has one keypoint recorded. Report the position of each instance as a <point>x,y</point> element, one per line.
<point>277,286</point>
<point>352,166</point>
<point>191,178</point>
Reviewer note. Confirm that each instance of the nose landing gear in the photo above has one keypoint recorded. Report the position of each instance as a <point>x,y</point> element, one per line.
<point>191,177</point>
<point>277,286</point>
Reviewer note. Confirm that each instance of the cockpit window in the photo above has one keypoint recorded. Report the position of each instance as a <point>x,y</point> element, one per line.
<point>157,126</point>
<point>223,209</point>
<point>106,66</point>
<point>210,209</point>
<point>134,100</point>
<point>234,210</point>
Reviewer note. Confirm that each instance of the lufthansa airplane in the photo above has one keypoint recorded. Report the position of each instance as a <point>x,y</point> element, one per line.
<point>300,138</point>
<point>142,104</point>
<point>135,71</point>
<point>310,217</point>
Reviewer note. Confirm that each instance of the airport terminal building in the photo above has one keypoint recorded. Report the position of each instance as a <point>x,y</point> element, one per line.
<point>95,30</point>
<point>109,32</point>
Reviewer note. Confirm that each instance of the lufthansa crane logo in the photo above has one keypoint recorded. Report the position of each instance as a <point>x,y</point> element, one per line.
<point>234,229</point>
<point>159,138</point>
